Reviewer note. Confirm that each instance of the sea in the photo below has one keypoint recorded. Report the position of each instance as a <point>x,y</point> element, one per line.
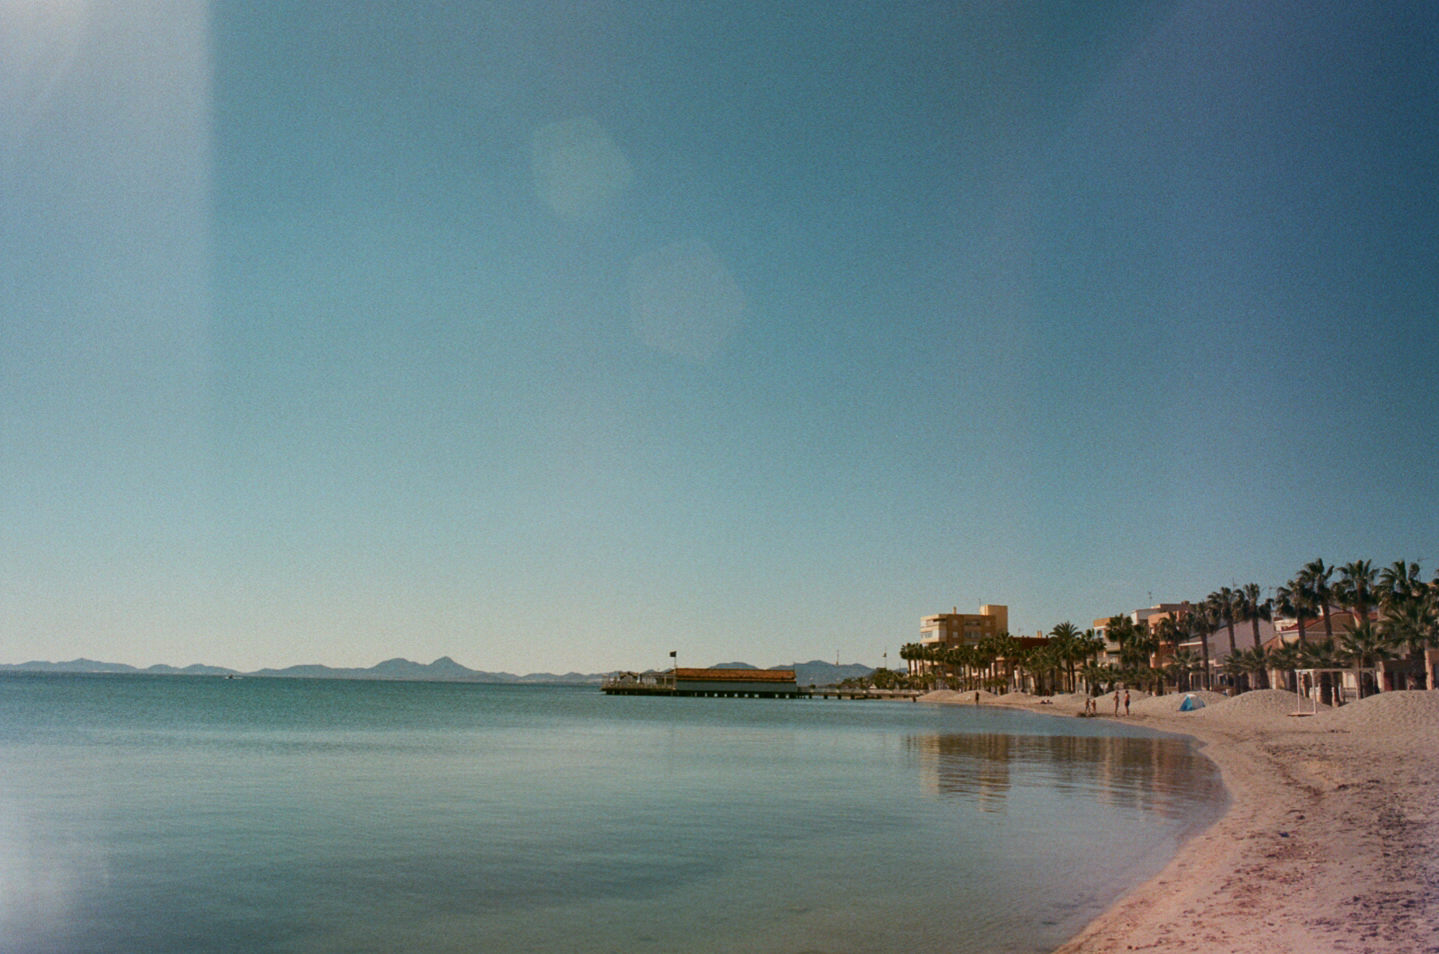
<point>181,814</point>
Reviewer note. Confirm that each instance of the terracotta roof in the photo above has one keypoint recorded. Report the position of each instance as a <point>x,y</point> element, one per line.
<point>1339,621</point>
<point>736,675</point>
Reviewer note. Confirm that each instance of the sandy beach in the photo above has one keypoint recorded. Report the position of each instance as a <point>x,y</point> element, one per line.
<point>1330,843</point>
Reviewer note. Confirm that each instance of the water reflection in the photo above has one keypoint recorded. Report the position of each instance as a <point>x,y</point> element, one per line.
<point>1159,775</point>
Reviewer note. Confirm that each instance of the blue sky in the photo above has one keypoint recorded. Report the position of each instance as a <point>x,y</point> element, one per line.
<point>556,336</point>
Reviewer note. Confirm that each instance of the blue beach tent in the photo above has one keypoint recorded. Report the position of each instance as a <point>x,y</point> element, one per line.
<point>1191,702</point>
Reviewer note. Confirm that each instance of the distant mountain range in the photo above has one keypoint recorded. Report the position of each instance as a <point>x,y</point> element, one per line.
<point>444,669</point>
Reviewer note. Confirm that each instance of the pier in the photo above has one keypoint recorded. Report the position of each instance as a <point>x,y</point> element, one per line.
<point>732,683</point>
<point>830,692</point>
<point>735,684</point>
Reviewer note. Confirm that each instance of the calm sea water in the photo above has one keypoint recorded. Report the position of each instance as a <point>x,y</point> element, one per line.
<point>175,814</point>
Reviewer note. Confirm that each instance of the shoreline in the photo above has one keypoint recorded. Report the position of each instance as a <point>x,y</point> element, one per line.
<point>1330,840</point>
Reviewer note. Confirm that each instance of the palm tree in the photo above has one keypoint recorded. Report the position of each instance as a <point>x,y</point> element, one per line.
<point>1137,643</point>
<point>1096,675</point>
<point>1253,608</point>
<point>1064,638</point>
<point>1355,589</point>
<point>1405,595</point>
<point>1197,621</point>
<point>1255,663</point>
<point>948,657</point>
<point>1234,668</point>
<point>1365,645</point>
<point>1294,599</point>
<point>989,650</point>
<point>1287,658</point>
<point>1320,590</point>
<point>916,654</point>
<point>910,652</point>
<point>1008,648</point>
<point>927,658</point>
<point>1413,623</point>
<point>1049,661</point>
<point>1322,655</point>
<point>980,662</point>
<point>1088,648</point>
<point>1166,634</point>
<point>1399,580</point>
<point>970,661</point>
<point>1179,667</point>
<point>1224,603</point>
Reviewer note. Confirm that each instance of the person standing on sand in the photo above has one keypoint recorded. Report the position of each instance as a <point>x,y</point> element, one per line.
<point>1126,702</point>
<point>976,698</point>
<point>1116,702</point>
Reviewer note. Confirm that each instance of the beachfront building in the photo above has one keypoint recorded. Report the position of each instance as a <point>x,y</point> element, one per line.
<point>1109,656</point>
<point>1146,616</point>
<point>963,629</point>
<point>1159,611</point>
<point>955,630</point>
<point>1223,678</point>
<point>735,682</point>
<point>1156,615</point>
<point>1327,677</point>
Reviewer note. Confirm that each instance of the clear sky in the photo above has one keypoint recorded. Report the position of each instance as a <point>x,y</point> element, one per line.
<point>557,336</point>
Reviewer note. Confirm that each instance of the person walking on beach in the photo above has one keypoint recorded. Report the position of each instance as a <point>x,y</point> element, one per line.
<point>1116,702</point>
<point>1126,702</point>
<point>976,698</point>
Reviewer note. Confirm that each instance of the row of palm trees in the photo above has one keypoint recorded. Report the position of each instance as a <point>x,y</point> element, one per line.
<point>1001,661</point>
<point>1392,613</point>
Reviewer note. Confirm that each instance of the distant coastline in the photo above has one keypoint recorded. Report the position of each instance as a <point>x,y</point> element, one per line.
<point>443,669</point>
